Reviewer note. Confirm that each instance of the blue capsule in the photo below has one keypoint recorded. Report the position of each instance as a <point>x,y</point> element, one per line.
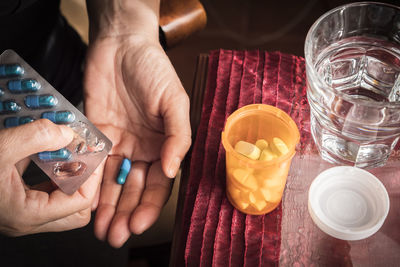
<point>11,70</point>
<point>9,106</point>
<point>23,86</point>
<point>124,171</point>
<point>62,154</point>
<point>59,117</point>
<point>40,101</point>
<point>17,121</point>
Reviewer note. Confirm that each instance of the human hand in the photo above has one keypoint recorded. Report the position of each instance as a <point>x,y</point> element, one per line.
<point>27,210</point>
<point>134,96</point>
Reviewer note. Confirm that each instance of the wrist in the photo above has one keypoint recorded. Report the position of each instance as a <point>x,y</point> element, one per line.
<point>123,19</point>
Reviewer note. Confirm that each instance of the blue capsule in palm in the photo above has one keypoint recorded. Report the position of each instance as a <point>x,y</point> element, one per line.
<point>11,70</point>
<point>62,154</point>
<point>23,86</point>
<point>124,171</point>
<point>17,121</point>
<point>40,101</point>
<point>9,106</point>
<point>59,117</point>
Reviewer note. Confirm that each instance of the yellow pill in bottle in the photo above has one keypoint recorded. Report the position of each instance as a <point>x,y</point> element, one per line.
<point>279,147</point>
<point>267,154</point>
<point>262,144</point>
<point>248,149</point>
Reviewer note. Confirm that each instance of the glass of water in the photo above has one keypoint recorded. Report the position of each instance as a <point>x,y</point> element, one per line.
<point>353,77</point>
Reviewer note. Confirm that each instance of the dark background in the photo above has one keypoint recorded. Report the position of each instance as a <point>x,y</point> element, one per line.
<point>251,24</point>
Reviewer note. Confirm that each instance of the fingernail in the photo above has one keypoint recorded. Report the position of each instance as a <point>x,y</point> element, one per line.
<point>140,228</point>
<point>173,167</point>
<point>139,232</point>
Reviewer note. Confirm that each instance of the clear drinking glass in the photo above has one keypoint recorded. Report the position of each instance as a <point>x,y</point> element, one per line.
<point>353,64</point>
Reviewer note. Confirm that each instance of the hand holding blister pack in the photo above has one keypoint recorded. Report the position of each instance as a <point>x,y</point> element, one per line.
<point>24,97</point>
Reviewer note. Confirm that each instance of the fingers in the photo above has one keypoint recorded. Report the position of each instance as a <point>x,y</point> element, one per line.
<point>45,203</point>
<point>73,221</point>
<point>155,195</point>
<point>28,215</point>
<point>95,202</point>
<point>109,196</point>
<point>119,231</point>
<point>76,220</point>
<point>133,207</point>
<point>178,132</point>
<point>42,207</point>
<point>173,152</point>
<point>91,188</point>
<point>41,135</point>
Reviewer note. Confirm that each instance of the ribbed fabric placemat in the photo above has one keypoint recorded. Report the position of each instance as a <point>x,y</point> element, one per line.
<point>216,233</point>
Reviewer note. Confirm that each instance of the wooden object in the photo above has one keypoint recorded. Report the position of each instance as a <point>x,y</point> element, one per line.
<point>181,18</point>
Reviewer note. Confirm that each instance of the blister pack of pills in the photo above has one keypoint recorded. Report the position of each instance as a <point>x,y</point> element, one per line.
<point>24,97</point>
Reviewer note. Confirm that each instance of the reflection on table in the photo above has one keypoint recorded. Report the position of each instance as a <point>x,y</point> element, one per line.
<point>209,231</point>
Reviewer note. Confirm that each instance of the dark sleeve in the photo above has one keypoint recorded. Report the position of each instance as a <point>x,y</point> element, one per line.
<point>8,7</point>
<point>25,24</point>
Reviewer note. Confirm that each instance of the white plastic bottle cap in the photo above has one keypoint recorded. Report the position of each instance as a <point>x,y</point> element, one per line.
<point>348,203</point>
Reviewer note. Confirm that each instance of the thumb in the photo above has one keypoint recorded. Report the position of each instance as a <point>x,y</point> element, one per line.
<point>41,135</point>
<point>178,135</point>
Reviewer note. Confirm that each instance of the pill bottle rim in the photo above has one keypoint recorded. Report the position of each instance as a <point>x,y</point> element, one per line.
<point>267,109</point>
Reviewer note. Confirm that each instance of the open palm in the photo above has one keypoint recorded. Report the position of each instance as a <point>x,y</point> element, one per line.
<point>134,96</point>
